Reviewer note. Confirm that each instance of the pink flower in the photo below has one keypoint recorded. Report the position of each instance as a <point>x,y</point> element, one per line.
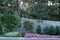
<point>40,35</point>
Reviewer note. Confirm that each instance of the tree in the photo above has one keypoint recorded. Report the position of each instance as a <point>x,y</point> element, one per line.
<point>40,10</point>
<point>9,21</point>
<point>8,6</point>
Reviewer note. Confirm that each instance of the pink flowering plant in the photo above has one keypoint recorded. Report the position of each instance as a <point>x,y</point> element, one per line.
<point>41,35</point>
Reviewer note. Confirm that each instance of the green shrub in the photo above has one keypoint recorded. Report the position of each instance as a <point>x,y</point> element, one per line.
<point>28,26</point>
<point>58,30</point>
<point>14,34</point>
<point>9,21</point>
<point>2,33</point>
<point>46,30</point>
<point>11,34</point>
<point>38,29</point>
<point>50,30</point>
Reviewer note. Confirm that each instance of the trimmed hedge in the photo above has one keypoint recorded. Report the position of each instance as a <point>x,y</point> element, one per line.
<point>52,30</point>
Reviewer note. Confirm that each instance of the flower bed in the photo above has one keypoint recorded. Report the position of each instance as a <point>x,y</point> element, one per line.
<point>41,35</point>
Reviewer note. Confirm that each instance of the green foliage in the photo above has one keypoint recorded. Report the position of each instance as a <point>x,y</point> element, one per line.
<point>9,21</point>
<point>0,25</point>
<point>42,11</point>
<point>24,13</point>
<point>5,8</point>
<point>28,25</point>
<point>1,32</point>
<point>46,30</point>
<point>14,34</point>
<point>38,29</point>
<point>50,30</point>
<point>11,34</point>
<point>2,3</point>
<point>58,30</point>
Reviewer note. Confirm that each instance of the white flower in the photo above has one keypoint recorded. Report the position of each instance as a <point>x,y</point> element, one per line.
<point>9,5</point>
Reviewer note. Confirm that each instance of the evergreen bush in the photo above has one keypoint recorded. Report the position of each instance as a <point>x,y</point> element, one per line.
<point>58,30</point>
<point>50,30</point>
<point>28,26</point>
<point>38,29</point>
<point>46,30</point>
